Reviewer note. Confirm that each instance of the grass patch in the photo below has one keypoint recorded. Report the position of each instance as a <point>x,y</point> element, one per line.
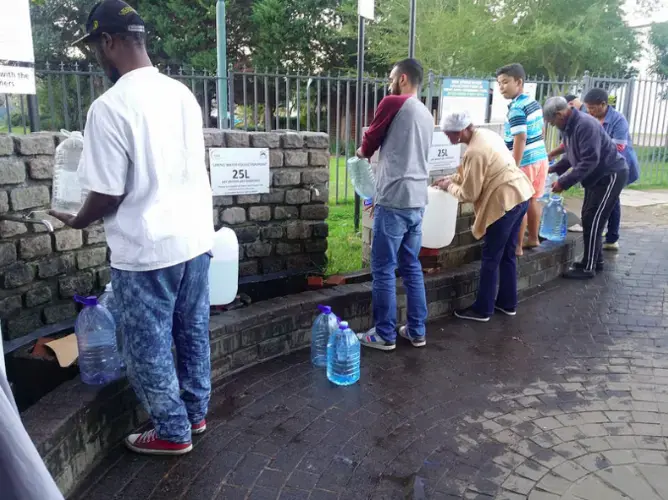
<point>16,130</point>
<point>344,253</point>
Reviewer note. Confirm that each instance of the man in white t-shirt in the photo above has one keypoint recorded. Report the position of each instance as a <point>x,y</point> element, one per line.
<point>143,162</point>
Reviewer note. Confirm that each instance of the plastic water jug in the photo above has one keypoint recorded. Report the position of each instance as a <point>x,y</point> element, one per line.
<point>108,300</point>
<point>324,325</point>
<point>440,219</point>
<point>68,195</point>
<point>95,328</point>
<point>362,177</point>
<point>549,180</point>
<point>343,356</point>
<point>224,269</point>
<point>554,222</point>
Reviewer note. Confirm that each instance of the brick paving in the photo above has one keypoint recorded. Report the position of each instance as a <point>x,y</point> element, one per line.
<point>566,401</point>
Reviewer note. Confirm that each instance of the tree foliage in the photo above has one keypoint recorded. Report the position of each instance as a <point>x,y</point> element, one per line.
<point>658,39</point>
<point>550,37</point>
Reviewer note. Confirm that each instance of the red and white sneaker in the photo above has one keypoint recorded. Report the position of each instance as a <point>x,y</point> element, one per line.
<point>198,428</point>
<point>148,443</point>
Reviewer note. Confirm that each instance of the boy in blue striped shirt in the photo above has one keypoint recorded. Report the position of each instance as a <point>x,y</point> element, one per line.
<point>523,133</point>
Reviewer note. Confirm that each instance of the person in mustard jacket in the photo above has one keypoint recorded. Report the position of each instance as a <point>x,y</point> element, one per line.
<point>489,178</point>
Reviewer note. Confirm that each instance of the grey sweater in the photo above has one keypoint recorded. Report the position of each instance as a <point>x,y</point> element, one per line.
<point>403,129</point>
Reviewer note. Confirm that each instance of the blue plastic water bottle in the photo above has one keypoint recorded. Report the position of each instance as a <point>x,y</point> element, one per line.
<point>362,177</point>
<point>95,328</point>
<point>324,325</point>
<point>554,222</point>
<point>108,300</point>
<point>343,356</point>
<point>551,178</point>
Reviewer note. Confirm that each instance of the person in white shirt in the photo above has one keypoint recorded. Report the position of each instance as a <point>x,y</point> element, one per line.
<point>143,163</point>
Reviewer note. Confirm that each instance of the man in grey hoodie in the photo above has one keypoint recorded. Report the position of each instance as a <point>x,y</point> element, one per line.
<point>403,129</point>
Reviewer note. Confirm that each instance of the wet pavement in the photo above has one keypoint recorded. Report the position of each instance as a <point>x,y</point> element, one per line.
<point>567,400</point>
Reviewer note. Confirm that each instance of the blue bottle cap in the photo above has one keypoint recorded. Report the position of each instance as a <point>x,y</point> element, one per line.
<point>325,309</point>
<point>86,301</point>
<point>343,325</point>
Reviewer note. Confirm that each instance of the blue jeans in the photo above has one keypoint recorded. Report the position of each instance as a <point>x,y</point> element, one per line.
<point>157,308</point>
<point>397,240</point>
<point>499,262</point>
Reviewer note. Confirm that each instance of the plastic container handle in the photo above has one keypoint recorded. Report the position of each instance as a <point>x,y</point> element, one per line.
<point>86,301</point>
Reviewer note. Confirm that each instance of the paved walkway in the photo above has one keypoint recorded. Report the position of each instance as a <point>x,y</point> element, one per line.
<point>568,400</point>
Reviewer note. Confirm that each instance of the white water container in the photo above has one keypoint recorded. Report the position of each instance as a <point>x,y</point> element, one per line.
<point>224,270</point>
<point>440,219</point>
<point>68,195</point>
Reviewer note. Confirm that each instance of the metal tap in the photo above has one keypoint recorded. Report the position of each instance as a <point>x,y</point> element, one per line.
<point>28,219</point>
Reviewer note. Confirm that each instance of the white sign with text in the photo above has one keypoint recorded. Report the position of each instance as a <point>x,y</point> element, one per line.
<point>17,57</point>
<point>236,171</point>
<point>443,155</point>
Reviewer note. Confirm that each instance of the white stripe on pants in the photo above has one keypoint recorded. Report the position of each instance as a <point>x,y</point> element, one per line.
<point>593,238</point>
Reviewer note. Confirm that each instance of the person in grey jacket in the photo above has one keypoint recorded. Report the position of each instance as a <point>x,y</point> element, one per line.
<point>593,161</point>
<point>402,128</point>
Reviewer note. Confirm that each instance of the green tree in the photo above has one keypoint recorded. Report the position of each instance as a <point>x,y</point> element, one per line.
<point>56,24</point>
<point>296,35</point>
<point>658,39</point>
<point>566,37</point>
<point>550,37</point>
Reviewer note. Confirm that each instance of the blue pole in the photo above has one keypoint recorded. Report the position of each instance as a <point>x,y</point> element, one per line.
<point>221,47</point>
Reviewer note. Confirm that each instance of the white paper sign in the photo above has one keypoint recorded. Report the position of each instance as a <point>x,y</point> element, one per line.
<point>17,57</point>
<point>365,8</point>
<point>237,171</point>
<point>442,154</point>
<point>461,94</point>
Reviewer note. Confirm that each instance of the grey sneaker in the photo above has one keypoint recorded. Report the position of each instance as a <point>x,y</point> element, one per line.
<point>374,341</point>
<point>416,341</point>
<point>611,247</point>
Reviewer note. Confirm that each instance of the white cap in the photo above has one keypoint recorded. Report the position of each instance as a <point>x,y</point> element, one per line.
<point>455,122</point>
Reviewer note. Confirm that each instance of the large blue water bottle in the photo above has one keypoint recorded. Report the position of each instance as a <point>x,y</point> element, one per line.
<point>95,328</point>
<point>108,300</point>
<point>343,356</point>
<point>323,327</point>
<point>554,222</point>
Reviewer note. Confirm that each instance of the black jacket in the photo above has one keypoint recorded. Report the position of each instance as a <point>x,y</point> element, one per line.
<point>590,153</point>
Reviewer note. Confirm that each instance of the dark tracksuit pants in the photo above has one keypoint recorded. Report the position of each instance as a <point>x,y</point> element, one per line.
<point>599,202</point>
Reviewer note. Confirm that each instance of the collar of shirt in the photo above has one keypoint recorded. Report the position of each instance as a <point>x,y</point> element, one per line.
<point>138,73</point>
<point>570,123</point>
<point>517,99</point>
<point>610,116</point>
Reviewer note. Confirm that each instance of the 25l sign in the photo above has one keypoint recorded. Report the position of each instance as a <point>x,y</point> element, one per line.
<point>236,171</point>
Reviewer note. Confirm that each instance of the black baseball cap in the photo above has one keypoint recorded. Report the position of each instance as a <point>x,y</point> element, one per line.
<point>570,97</point>
<point>112,17</point>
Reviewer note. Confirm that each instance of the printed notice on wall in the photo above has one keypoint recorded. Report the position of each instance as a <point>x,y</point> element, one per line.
<point>17,57</point>
<point>237,171</point>
<point>459,95</point>
<point>443,155</point>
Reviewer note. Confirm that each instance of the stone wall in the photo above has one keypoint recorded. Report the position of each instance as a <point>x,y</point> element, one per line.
<point>286,228</point>
<point>41,272</point>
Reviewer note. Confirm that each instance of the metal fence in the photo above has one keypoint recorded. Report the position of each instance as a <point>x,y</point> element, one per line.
<point>263,101</point>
